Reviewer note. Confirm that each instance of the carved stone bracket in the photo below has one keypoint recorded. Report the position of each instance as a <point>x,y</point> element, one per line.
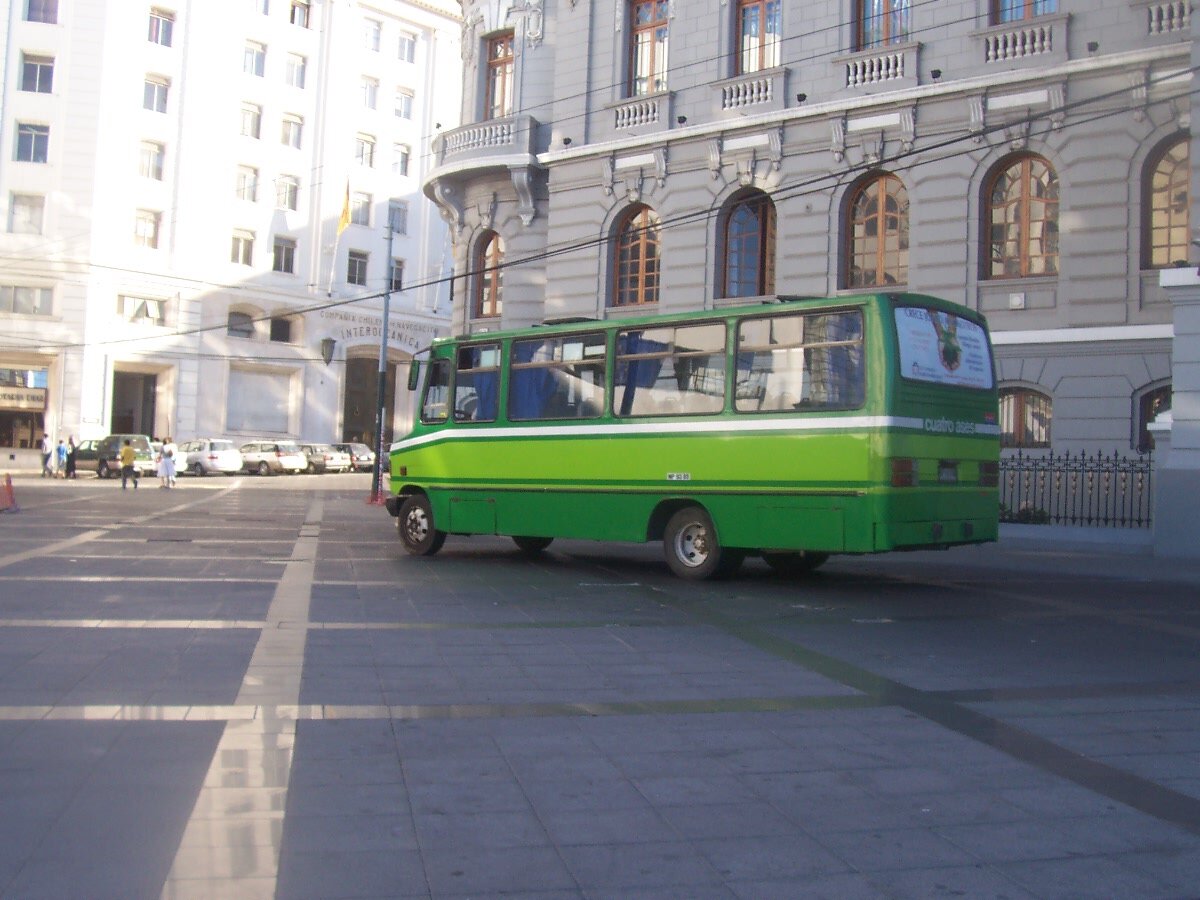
<point>1139,93</point>
<point>449,206</point>
<point>775,142</point>
<point>486,211</point>
<point>714,157</point>
<point>660,166</point>
<point>608,177</point>
<point>908,129</point>
<point>837,141</point>
<point>872,147</point>
<point>522,181</point>
<point>745,170</point>
<point>978,106</point>
<point>1058,104</point>
<point>533,27</point>
<point>1017,135</point>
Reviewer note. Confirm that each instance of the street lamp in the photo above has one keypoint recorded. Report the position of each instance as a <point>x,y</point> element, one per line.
<point>377,491</point>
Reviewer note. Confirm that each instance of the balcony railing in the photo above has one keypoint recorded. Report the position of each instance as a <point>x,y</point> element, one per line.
<point>638,111</point>
<point>752,92</point>
<point>479,140</point>
<point>1021,40</point>
<point>880,65</point>
<point>1168,17</point>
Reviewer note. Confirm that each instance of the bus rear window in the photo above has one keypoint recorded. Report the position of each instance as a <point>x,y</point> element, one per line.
<point>942,348</point>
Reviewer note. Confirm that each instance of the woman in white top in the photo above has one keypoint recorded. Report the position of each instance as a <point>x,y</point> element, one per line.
<point>166,463</point>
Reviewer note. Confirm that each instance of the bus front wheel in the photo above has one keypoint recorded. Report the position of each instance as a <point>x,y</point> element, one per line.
<point>531,544</point>
<point>795,563</point>
<point>415,524</point>
<point>691,547</point>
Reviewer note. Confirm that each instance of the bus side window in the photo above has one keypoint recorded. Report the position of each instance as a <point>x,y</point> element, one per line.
<point>800,362</point>
<point>477,383</point>
<point>434,404</point>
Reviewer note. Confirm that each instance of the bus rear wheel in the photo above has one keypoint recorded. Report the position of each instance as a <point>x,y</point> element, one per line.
<point>415,524</point>
<point>795,563</point>
<point>531,544</point>
<point>691,547</point>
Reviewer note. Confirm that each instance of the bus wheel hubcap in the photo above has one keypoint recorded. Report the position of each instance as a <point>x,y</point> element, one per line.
<point>416,526</point>
<point>691,545</point>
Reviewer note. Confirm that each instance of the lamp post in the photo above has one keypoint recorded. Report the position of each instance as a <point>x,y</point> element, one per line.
<point>377,491</point>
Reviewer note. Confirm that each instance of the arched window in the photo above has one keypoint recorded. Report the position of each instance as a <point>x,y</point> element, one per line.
<point>1147,404</point>
<point>748,239</point>
<point>635,280</point>
<point>240,324</point>
<point>1024,418</point>
<point>1167,207</point>
<point>1021,215</point>
<point>877,251</point>
<point>489,276</point>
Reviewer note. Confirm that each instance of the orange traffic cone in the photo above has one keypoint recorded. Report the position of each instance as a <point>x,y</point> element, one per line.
<point>8,501</point>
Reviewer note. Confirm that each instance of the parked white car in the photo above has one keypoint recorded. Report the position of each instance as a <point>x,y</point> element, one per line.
<point>273,457</point>
<point>209,456</point>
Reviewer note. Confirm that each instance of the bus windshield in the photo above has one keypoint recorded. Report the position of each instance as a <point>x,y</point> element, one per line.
<point>943,348</point>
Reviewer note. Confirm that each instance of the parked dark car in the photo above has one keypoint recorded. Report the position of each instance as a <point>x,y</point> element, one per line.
<point>324,458</point>
<point>362,459</point>
<point>104,456</point>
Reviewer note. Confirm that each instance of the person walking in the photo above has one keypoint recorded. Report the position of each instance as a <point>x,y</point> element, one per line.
<point>166,463</point>
<point>71,448</point>
<point>47,453</point>
<point>127,470</point>
<point>60,459</point>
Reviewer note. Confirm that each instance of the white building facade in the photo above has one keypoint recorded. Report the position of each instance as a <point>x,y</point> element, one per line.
<point>206,205</point>
<point>1026,158</point>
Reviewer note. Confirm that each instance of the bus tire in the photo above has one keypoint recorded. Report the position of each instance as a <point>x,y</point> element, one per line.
<point>691,547</point>
<point>415,524</point>
<point>797,563</point>
<point>531,545</point>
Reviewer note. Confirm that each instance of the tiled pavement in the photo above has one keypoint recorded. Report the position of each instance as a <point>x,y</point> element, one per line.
<point>241,688</point>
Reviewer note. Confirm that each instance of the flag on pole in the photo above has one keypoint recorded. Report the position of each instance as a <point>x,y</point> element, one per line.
<point>344,219</point>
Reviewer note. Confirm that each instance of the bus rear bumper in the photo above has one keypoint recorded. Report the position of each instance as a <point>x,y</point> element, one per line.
<point>938,533</point>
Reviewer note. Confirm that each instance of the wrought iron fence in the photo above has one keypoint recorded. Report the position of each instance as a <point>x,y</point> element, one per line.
<point>1077,489</point>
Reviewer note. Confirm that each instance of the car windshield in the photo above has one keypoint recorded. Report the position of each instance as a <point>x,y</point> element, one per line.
<point>287,447</point>
<point>221,445</point>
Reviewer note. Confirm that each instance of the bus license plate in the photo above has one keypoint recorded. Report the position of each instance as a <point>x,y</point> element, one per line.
<point>948,472</point>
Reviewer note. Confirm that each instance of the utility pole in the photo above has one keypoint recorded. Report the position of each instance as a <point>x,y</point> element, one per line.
<point>377,489</point>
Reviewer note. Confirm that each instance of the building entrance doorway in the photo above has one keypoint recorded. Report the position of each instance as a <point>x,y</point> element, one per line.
<point>358,401</point>
<point>133,403</point>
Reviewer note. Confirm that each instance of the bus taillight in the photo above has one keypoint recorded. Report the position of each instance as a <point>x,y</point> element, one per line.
<point>905,472</point>
<point>989,474</point>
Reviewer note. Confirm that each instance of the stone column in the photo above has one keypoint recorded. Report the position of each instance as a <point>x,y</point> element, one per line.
<point>1177,471</point>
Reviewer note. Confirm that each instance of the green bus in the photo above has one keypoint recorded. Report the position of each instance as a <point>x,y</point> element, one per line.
<point>790,429</point>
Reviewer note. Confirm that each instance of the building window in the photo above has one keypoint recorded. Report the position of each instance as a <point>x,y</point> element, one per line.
<point>877,233</point>
<point>749,241</point>
<point>287,192</point>
<point>251,120</point>
<point>648,47</point>
<point>240,324</point>
<point>292,130</point>
<point>364,150</point>
<point>1024,418</point>
<point>295,69</point>
<point>33,143</point>
<point>500,76</point>
<point>360,209</point>
<point>154,94</point>
<point>758,35</point>
<point>370,92</point>
<point>300,13</point>
<point>404,104</point>
<point>146,226</point>
<point>882,22</point>
<point>489,276</point>
<point>243,248</point>
<point>408,47</point>
<point>150,160</point>
<point>396,282</point>
<point>26,213</point>
<point>372,33</point>
<point>42,11</point>
<point>283,257</point>
<point>281,331</point>
<point>1022,218</point>
<point>401,154</point>
<point>1017,10</point>
<point>356,267</point>
<point>1150,403</point>
<point>25,301</point>
<point>1167,227</point>
<point>398,216</point>
<point>263,6</point>
<point>254,62</point>
<point>247,183</point>
<point>143,310</point>
<point>37,74</point>
<point>162,24</point>
<point>635,279</point>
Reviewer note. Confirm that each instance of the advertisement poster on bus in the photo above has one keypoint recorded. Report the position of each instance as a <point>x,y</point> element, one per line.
<point>942,348</point>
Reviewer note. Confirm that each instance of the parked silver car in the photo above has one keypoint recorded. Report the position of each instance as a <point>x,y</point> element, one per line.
<point>362,457</point>
<point>324,458</point>
<point>209,456</point>
<point>273,457</point>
